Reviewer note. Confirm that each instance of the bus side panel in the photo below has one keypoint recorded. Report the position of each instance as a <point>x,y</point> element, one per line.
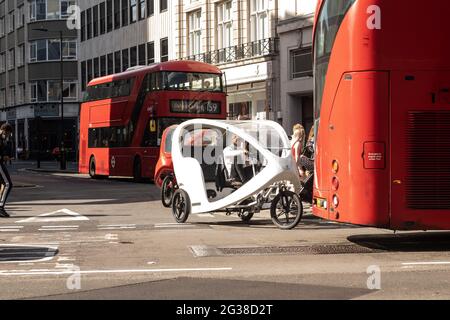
<point>420,150</point>
<point>357,138</point>
<point>83,161</point>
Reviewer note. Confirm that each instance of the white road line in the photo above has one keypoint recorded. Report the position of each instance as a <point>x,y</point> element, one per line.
<point>10,230</point>
<point>71,272</point>
<point>50,217</point>
<point>174,225</point>
<point>431,263</point>
<point>72,226</point>
<point>11,227</point>
<point>116,225</point>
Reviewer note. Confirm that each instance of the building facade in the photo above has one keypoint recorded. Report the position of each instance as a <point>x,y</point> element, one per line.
<point>30,76</point>
<point>295,28</point>
<point>118,34</point>
<point>240,37</point>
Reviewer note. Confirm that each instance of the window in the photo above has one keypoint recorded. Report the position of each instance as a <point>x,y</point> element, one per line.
<point>2,98</point>
<point>125,62</point>
<point>190,81</point>
<point>109,16</point>
<point>52,10</point>
<point>110,59</point>
<point>20,17</point>
<point>133,56</point>
<point>50,90</point>
<point>96,67</point>
<point>330,18</point>
<point>142,9</point>
<point>2,26</point>
<point>133,11</point>
<point>102,18</point>
<point>124,13</point>
<point>89,70</point>
<point>110,90</point>
<point>11,19</point>
<point>259,20</point>
<point>2,62</point>
<point>225,31</point>
<point>50,50</point>
<point>301,63</point>
<point>117,62</point>
<point>150,53</point>
<point>89,23</point>
<point>162,5</point>
<point>32,10</point>
<point>83,26</point>
<point>11,59</point>
<point>12,95</point>
<point>110,137</point>
<point>195,32</point>
<point>40,9</point>
<point>141,55</point>
<point>116,14</point>
<point>95,23</point>
<point>103,66</point>
<point>164,50</point>
<point>65,5</point>
<point>150,7</point>
<point>21,56</point>
<point>69,49</point>
<point>21,93</point>
<point>54,50</point>
<point>83,76</point>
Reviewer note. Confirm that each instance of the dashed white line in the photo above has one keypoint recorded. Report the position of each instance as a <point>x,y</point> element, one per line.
<point>431,263</point>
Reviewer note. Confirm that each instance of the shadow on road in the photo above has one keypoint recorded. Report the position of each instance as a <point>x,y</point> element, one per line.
<point>407,242</point>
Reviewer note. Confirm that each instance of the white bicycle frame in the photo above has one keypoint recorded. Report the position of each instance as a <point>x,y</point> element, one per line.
<point>190,176</point>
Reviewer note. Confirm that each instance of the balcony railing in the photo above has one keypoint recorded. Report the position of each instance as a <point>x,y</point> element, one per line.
<point>255,49</point>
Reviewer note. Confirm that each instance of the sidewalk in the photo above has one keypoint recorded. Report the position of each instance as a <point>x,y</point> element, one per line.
<point>46,166</point>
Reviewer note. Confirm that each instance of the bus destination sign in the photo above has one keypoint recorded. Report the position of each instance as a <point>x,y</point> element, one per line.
<point>195,106</point>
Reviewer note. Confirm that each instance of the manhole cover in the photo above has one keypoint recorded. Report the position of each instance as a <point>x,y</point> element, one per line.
<point>9,253</point>
<point>313,249</point>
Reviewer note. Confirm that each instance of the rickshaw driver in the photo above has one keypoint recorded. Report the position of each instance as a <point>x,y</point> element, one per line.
<point>234,156</point>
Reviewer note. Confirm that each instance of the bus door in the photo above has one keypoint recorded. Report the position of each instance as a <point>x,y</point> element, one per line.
<point>420,149</point>
<point>150,145</point>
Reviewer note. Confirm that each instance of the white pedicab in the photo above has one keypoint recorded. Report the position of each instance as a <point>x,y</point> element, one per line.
<point>237,167</point>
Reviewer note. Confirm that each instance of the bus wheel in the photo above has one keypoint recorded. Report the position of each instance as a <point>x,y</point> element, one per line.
<point>181,206</point>
<point>137,170</point>
<point>92,173</point>
<point>286,210</point>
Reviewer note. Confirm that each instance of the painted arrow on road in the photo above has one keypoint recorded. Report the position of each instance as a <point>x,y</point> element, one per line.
<point>56,217</point>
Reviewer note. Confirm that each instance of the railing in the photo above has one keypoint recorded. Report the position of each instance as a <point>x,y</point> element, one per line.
<point>245,51</point>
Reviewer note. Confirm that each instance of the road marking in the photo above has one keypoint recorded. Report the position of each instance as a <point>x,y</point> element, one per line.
<point>116,226</point>
<point>432,263</point>
<point>71,272</point>
<point>174,225</point>
<point>59,202</point>
<point>47,217</point>
<point>11,228</point>
<point>49,255</point>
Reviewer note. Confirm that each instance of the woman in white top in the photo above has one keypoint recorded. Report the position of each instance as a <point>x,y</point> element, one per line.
<point>297,144</point>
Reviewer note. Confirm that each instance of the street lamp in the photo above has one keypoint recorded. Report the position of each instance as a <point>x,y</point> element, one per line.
<point>62,151</point>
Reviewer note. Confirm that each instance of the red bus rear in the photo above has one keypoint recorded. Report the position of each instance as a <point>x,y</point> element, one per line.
<point>382,109</point>
<point>124,115</point>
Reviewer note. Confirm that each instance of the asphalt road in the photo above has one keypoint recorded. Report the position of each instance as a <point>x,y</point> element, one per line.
<point>71,237</point>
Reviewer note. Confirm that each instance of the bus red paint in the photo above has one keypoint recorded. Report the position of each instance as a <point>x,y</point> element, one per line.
<point>124,115</point>
<point>382,110</point>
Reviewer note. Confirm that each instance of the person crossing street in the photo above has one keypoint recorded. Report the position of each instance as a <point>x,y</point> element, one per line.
<point>5,179</point>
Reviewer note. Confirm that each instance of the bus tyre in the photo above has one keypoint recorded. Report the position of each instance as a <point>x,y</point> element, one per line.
<point>137,170</point>
<point>168,189</point>
<point>181,206</point>
<point>286,210</point>
<point>92,168</point>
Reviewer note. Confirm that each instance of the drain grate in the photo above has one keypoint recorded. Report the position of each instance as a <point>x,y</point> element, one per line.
<point>311,250</point>
<point>26,253</point>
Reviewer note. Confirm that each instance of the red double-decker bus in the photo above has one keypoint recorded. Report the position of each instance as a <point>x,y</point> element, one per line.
<point>382,110</point>
<point>124,115</point>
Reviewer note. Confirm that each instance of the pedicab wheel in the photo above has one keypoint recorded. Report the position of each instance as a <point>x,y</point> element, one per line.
<point>168,189</point>
<point>246,216</point>
<point>181,206</point>
<point>286,210</point>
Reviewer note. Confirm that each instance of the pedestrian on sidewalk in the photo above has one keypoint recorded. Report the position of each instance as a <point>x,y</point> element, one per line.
<point>5,179</point>
<point>297,145</point>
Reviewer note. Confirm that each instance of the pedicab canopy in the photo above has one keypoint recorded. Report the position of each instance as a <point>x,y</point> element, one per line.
<point>260,149</point>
